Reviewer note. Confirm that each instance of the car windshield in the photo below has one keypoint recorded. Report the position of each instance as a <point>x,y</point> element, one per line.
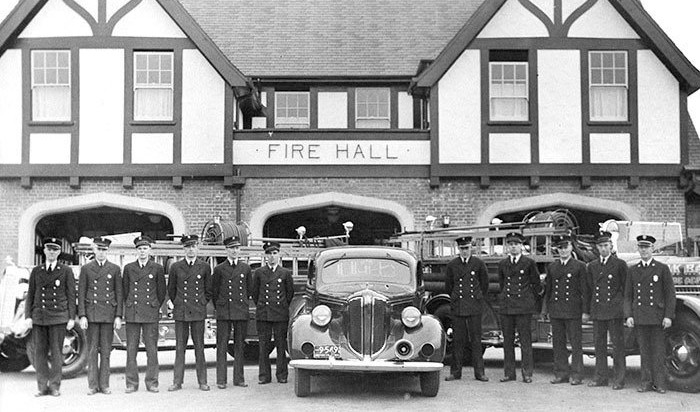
<point>366,270</point>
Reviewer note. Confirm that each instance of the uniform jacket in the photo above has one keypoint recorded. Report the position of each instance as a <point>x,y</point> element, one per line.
<point>604,289</point>
<point>272,293</point>
<point>564,289</point>
<point>100,297</point>
<point>520,284</point>
<point>144,292</point>
<point>649,294</point>
<point>467,284</point>
<point>188,289</point>
<point>51,295</point>
<point>230,287</point>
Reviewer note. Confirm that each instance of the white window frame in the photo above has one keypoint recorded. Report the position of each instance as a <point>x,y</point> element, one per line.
<point>160,85</point>
<point>493,116</point>
<point>359,120</point>
<point>292,122</point>
<point>603,84</point>
<point>44,85</point>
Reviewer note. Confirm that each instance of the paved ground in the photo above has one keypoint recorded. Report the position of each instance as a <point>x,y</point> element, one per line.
<point>343,392</point>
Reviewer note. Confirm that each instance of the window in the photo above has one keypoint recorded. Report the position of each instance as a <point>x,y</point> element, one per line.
<point>608,85</point>
<point>51,90</point>
<point>372,108</point>
<point>153,86</point>
<point>508,92</point>
<point>292,110</point>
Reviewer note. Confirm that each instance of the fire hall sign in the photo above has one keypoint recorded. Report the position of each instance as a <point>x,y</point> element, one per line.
<point>331,152</point>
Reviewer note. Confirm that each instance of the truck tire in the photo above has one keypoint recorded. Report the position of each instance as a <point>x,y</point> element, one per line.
<point>430,383</point>
<point>443,314</point>
<point>542,355</point>
<point>75,353</point>
<point>302,383</point>
<point>13,355</point>
<point>683,353</point>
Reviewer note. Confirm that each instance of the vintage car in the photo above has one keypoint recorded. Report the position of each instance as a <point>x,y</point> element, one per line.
<point>364,311</point>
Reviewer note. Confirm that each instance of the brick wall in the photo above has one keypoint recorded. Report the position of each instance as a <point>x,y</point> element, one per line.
<point>463,200</point>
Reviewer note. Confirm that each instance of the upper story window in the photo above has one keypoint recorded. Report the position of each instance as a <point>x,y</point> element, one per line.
<point>372,108</point>
<point>292,110</point>
<point>608,85</point>
<point>153,86</point>
<point>508,85</point>
<point>51,88</point>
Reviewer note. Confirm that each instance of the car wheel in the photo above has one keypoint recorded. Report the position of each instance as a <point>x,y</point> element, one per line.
<point>13,354</point>
<point>443,314</point>
<point>302,383</point>
<point>75,352</point>
<point>430,383</point>
<point>683,353</point>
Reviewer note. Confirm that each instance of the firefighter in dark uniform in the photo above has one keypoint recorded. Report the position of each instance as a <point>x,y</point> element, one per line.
<point>188,289</point>
<point>564,303</point>
<point>650,305</point>
<point>467,283</point>
<point>603,295</point>
<point>519,282</point>
<point>231,281</point>
<point>100,307</point>
<point>273,290</point>
<point>50,311</point>
<point>144,293</point>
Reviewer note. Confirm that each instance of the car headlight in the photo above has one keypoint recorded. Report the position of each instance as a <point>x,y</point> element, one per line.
<point>410,317</point>
<point>321,315</point>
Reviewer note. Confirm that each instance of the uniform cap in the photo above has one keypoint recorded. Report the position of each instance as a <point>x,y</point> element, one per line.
<point>561,240</point>
<point>646,240</point>
<point>232,241</point>
<point>271,246</point>
<point>143,240</point>
<point>515,237</point>
<point>101,243</point>
<point>603,237</point>
<point>464,241</point>
<point>52,243</point>
<point>187,240</point>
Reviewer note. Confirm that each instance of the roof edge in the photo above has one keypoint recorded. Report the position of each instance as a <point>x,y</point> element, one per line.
<point>17,19</point>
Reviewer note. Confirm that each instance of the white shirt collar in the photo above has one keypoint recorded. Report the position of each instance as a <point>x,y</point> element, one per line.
<point>233,262</point>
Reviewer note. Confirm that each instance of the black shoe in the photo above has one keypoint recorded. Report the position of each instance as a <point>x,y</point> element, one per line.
<point>221,385</point>
<point>593,384</point>
<point>645,388</point>
<point>556,381</point>
<point>131,389</point>
<point>507,379</point>
<point>481,378</point>
<point>174,387</point>
<point>54,392</point>
<point>283,380</point>
<point>659,390</point>
<point>106,391</point>
<point>527,379</point>
<point>41,393</point>
<point>264,382</point>
<point>92,392</point>
<point>153,389</point>
<point>203,387</point>
<point>452,378</point>
<point>575,382</point>
<point>241,384</point>
<point>617,386</point>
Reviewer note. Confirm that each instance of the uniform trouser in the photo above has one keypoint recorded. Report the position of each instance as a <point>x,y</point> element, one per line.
<point>134,332</point>
<point>223,333</point>
<point>460,326</point>
<point>48,356</point>
<point>182,334</point>
<point>561,330</point>
<point>99,342</point>
<point>265,331</point>
<point>617,336</point>
<point>652,351</point>
<point>521,323</point>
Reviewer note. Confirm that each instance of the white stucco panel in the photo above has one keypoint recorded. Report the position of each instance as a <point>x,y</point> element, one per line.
<point>459,111</point>
<point>152,148</point>
<point>405,111</point>
<point>202,110</point>
<point>49,148</point>
<point>509,148</point>
<point>11,107</point>
<point>513,20</point>
<point>147,19</point>
<point>559,97</point>
<point>602,21</point>
<point>610,148</point>
<point>332,110</point>
<point>101,106</point>
<point>56,19</point>
<point>570,6</point>
<point>659,111</point>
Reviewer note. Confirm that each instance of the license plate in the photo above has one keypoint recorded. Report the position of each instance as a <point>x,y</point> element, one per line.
<point>326,351</point>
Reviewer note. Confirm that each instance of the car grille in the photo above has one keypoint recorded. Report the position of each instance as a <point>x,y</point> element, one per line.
<point>367,322</point>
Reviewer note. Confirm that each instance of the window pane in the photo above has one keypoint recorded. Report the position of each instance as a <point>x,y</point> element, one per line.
<point>620,59</point>
<point>63,59</point>
<point>153,62</point>
<point>153,104</point>
<point>166,62</point>
<point>508,72</point>
<point>607,60</point>
<point>596,77</point>
<point>596,60</point>
<point>51,76</point>
<point>51,103</point>
<point>39,76</point>
<point>51,59</point>
<point>141,77</point>
<point>153,77</point>
<point>608,103</point>
<point>63,76</point>
<point>520,72</point>
<point>39,59</point>
<point>620,76</point>
<point>496,72</point>
<point>140,62</point>
<point>166,78</point>
<point>372,123</point>
<point>608,76</point>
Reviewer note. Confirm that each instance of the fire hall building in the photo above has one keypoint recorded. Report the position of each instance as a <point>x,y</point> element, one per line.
<point>157,115</point>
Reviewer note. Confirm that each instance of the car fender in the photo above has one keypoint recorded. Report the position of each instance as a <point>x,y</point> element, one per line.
<point>690,302</point>
<point>436,301</point>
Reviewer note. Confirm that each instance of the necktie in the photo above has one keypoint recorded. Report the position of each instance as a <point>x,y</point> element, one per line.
<point>512,260</point>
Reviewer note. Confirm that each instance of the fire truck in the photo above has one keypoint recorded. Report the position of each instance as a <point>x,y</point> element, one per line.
<point>436,247</point>
<point>16,347</point>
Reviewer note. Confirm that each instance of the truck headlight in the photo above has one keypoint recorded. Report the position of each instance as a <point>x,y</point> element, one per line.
<point>410,317</point>
<point>321,315</point>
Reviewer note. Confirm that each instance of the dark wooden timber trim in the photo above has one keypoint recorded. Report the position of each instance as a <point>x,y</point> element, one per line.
<point>534,182</point>
<point>115,170</point>
<point>393,108</point>
<point>177,182</point>
<point>332,134</point>
<point>177,105</point>
<point>434,136</point>
<point>313,108</point>
<point>75,107</point>
<point>138,43</point>
<point>25,182</point>
<point>74,182</point>
<point>684,119</point>
<point>484,182</point>
<point>351,108</point>
<point>633,182</point>
<point>559,169</point>
<point>485,105</point>
<point>128,182</point>
<point>585,182</point>
<point>229,109</point>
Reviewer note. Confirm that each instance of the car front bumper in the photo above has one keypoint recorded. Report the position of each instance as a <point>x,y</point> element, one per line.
<point>365,366</point>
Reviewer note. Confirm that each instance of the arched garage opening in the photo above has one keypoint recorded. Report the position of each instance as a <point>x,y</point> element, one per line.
<point>126,207</point>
